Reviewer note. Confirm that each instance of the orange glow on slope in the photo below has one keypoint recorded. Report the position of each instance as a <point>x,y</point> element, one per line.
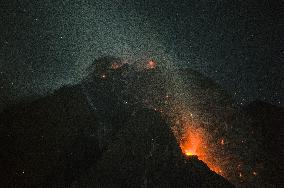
<point>194,142</point>
<point>151,64</point>
<point>191,143</point>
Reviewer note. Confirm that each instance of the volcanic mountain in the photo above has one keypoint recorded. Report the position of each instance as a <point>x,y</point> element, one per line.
<point>114,129</point>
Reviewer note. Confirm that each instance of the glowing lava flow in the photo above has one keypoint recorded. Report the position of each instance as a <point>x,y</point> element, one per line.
<point>194,142</point>
<point>191,143</point>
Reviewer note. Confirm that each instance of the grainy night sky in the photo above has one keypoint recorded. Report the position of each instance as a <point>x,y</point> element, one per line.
<point>239,44</point>
<point>124,55</point>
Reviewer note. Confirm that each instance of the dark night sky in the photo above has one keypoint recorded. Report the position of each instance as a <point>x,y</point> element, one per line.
<point>239,44</point>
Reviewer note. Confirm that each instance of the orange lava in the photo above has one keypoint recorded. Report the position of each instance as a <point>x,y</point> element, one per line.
<point>191,143</point>
<point>194,142</point>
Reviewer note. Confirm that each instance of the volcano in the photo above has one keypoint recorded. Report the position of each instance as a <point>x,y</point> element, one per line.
<point>122,126</point>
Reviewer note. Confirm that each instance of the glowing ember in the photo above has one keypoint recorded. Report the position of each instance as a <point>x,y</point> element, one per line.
<point>222,142</point>
<point>103,76</point>
<point>151,64</point>
<point>116,65</point>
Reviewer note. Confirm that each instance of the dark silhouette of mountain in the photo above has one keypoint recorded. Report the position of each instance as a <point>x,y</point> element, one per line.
<point>267,129</point>
<point>145,154</point>
<point>43,140</point>
<point>269,119</point>
<point>102,129</point>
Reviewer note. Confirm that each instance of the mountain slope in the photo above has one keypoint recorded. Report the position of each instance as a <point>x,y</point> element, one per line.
<point>89,129</point>
<point>145,154</point>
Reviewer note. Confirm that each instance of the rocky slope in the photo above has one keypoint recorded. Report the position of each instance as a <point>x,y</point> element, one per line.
<point>101,132</point>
